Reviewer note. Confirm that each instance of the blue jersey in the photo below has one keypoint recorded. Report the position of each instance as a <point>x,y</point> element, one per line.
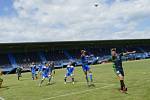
<point>45,71</point>
<point>70,70</point>
<point>40,68</point>
<point>84,59</point>
<point>33,69</point>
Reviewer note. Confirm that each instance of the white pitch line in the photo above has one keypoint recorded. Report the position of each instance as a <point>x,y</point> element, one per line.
<point>73,93</point>
<point>94,83</point>
<point>80,82</point>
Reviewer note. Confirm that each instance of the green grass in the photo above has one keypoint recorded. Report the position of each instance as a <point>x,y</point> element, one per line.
<point>137,79</point>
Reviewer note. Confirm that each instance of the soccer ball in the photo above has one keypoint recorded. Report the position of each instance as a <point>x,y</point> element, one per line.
<point>96,5</point>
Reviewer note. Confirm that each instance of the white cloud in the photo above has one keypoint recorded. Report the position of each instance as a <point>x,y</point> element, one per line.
<point>64,20</point>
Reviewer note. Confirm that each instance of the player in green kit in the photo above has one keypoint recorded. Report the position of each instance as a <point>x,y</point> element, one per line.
<point>52,65</point>
<point>18,72</point>
<point>117,65</point>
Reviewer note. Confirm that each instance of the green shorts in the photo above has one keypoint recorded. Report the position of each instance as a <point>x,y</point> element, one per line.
<point>118,70</point>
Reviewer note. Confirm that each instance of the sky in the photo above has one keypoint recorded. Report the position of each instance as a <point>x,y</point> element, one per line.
<point>73,20</point>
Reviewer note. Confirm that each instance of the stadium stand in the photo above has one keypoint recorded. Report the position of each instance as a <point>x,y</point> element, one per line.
<point>23,54</point>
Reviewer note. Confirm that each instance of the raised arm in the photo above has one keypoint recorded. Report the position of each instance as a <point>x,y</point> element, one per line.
<point>129,53</point>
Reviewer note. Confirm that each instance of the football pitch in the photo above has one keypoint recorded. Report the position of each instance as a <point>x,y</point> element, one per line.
<point>137,79</point>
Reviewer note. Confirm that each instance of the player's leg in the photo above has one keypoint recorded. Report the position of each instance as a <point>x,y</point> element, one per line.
<point>36,76</point>
<point>90,74</point>
<point>85,73</point>
<point>53,74</point>
<point>39,74</point>
<point>91,77</point>
<point>65,79</point>
<point>72,77</point>
<point>43,78</point>
<point>122,84</point>
<point>33,76</point>
<point>49,79</point>
<point>86,76</point>
<point>18,76</point>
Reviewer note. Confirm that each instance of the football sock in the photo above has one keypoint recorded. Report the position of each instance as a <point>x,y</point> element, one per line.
<point>91,77</point>
<point>72,79</point>
<point>18,77</point>
<point>42,81</point>
<point>65,79</point>
<point>36,77</point>
<point>32,78</point>
<point>122,84</point>
<point>49,79</point>
<point>87,78</point>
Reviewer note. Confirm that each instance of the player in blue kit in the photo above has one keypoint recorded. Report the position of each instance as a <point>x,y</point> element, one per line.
<point>33,71</point>
<point>46,73</point>
<point>69,73</point>
<point>117,66</point>
<point>86,68</point>
<point>40,70</point>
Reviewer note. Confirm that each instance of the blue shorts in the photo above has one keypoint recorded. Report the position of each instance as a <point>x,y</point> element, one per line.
<point>85,67</point>
<point>34,74</point>
<point>45,76</point>
<point>68,74</point>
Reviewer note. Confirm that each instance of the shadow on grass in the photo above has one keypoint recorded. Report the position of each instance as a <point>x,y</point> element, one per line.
<point>51,83</point>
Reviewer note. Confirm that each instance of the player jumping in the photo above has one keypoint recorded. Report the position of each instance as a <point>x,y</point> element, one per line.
<point>117,65</point>
<point>40,70</point>
<point>86,68</point>
<point>69,73</point>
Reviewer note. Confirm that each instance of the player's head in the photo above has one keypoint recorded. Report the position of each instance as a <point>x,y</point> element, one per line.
<point>70,63</point>
<point>113,52</point>
<point>33,63</point>
<point>47,64</point>
<point>83,52</point>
